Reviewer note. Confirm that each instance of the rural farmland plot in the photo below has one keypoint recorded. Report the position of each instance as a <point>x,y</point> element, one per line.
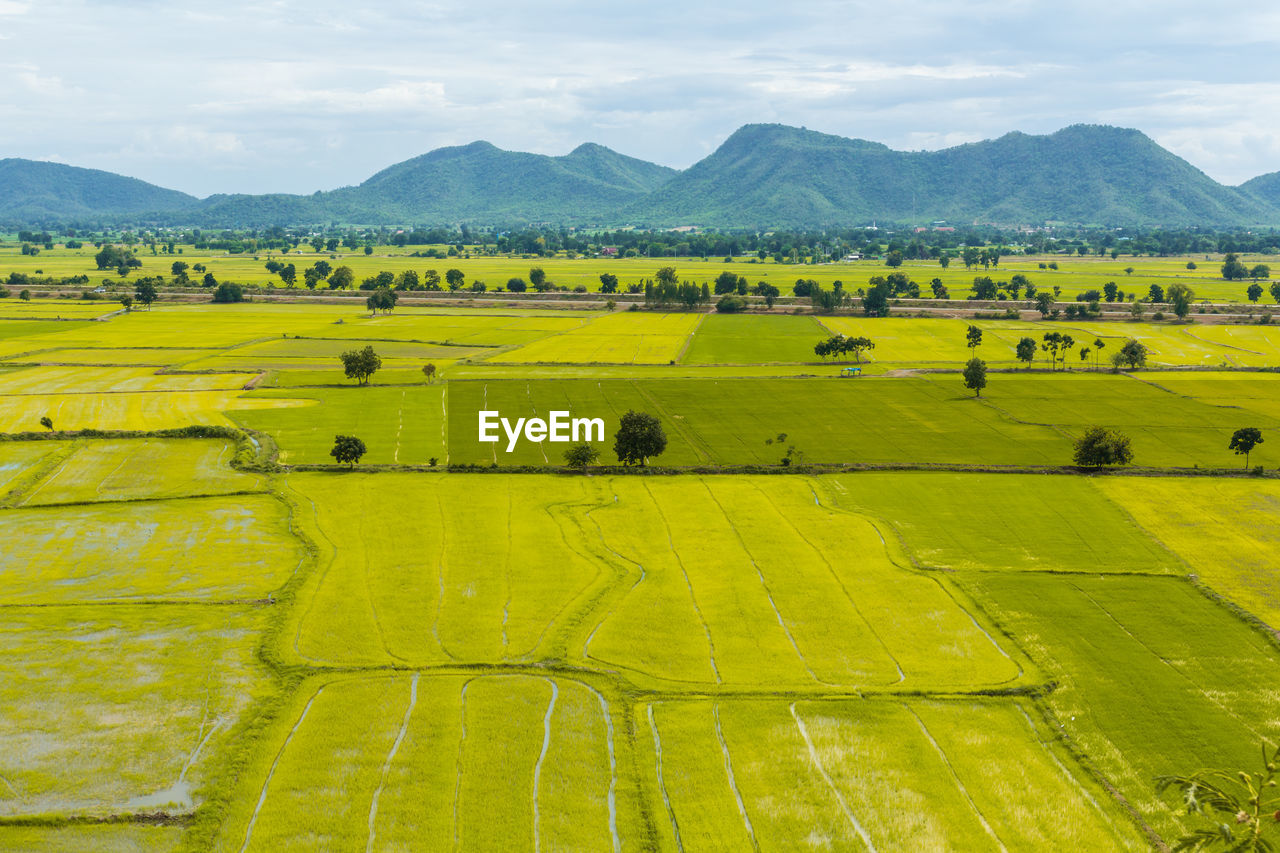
<point>404,655</point>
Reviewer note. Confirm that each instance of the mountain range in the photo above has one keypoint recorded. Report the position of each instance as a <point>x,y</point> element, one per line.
<point>764,175</point>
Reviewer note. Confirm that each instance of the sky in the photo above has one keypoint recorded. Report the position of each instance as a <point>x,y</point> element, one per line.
<point>285,96</point>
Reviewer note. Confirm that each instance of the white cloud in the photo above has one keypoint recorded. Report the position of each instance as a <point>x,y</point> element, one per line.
<point>315,95</point>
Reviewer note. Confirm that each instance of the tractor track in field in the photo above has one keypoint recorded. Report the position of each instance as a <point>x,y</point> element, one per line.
<point>662,784</point>
<point>612,797</point>
<point>768,593</point>
<point>822,771</point>
<point>266,784</point>
<point>964,790</point>
<point>831,569</point>
<point>711,646</point>
<point>391,756</point>
<point>733,783</point>
<point>542,757</point>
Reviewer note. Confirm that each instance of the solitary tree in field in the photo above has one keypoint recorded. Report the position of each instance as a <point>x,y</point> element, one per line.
<point>975,375</point>
<point>1180,297</point>
<point>145,293</point>
<point>348,449</point>
<point>1244,440</point>
<point>429,371</point>
<point>360,364</point>
<point>47,423</point>
<point>1099,446</point>
<point>581,456</point>
<point>1026,351</point>
<point>1098,345</point>
<point>1254,292</point>
<point>1133,353</point>
<point>973,337</point>
<point>638,438</point>
<point>1243,809</point>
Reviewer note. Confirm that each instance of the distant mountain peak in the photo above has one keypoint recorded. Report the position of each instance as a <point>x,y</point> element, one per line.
<point>762,175</point>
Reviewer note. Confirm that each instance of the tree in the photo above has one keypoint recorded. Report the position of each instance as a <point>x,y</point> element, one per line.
<point>1243,807</point>
<point>973,337</point>
<point>341,278</point>
<point>429,371</point>
<point>228,291</point>
<point>145,293</point>
<point>1275,291</point>
<point>1233,269</point>
<point>608,282</point>
<point>382,299</point>
<point>1026,351</point>
<point>1244,440</point>
<point>455,278</point>
<point>1133,353</point>
<point>430,280</point>
<point>857,346</point>
<point>360,364</point>
<point>179,270</point>
<point>726,282</point>
<point>1044,303</point>
<point>1100,446</point>
<point>348,449</point>
<point>127,301</point>
<point>1254,291</point>
<point>771,293</point>
<point>516,284</point>
<point>1155,293</point>
<point>580,456</point>
<point>639,437</point>
<point>876,301</point>
<point>47,423</point>
<point>975,375</point>
<point>538,279</point>
<point>1180,297</point>
<point>1260,271</point>
<point>893,259</point>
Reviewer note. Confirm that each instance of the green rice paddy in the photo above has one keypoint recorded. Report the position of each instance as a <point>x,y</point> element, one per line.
<point>938,654</point>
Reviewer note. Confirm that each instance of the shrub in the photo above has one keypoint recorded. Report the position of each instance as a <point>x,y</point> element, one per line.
<point>730,304</point>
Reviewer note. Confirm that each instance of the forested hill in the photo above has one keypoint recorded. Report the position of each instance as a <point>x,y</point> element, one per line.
<point>477,182</point>
<point>1081,174</point>
<point>1266,188</point>
<point>34,190</point>
<point>762,176</point>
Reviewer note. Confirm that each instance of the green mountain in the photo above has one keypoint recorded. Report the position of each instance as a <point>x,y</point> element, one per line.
<point>1265,188</point>
<point>764,175</point>
<point>33,191</point>
<point>785,176</point>
<point>470,183</point>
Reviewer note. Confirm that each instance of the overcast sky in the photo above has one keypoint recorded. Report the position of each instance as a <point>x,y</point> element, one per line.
<point>285,96</point>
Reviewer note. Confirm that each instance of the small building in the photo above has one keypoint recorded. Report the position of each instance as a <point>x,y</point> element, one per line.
<point>851,371</point>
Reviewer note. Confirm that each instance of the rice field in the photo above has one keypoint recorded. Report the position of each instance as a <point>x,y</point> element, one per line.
<point>216,659</point>
<point>614,339</point>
